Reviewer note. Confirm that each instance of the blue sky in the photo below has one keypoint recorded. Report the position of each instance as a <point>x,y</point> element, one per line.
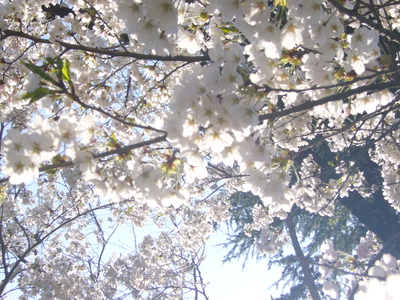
<point>230,281</point>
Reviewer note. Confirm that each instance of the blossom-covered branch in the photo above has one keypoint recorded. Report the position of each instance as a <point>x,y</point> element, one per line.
<point>113,53</point>
<point>335,97</point>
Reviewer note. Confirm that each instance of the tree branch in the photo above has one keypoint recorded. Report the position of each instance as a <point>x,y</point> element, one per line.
<point>330,98</point>
<point>98,109</point>
<point>363,20</point>
<point>21,258</point>
<point>121,150</point>
<point>112,53</point>
<point>372,262</point>
<point>308,278</point>
<point>350,125</point>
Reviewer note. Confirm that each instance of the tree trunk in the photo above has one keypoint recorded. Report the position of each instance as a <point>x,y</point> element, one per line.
<point>305,267</point>
<point>377,215</point>
<point>374,212</point>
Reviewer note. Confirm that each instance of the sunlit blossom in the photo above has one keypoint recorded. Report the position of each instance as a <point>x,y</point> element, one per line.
<point>20,169</point>
<point>292,35</point>
<point>329,252</point>
<point>217,140</point>
<point>189,41</point>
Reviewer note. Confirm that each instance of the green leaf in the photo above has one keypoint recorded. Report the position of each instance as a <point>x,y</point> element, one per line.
<point>59,159</point>
<point>59,63</point>
<point>50,60</point>
<point>113,142</point>
<point>2,195</point>
<point>51,172</point>
<point>171,166</point>
<point>38,70</point>
<point>228,29</point>
<point>66,74</point>
<point>37,94</point>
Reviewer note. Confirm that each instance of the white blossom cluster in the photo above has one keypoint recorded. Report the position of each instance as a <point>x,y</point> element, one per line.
<point>125,111</point>
<point>380,281</point>
<point>385,281</point>
<point>368,246</point>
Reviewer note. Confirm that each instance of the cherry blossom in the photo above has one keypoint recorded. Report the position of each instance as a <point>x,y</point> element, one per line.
<point>189,41</point>
<point>291,35</point>
<point>20,168</point>
<point>118,114</point>
<point>329,252</point>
